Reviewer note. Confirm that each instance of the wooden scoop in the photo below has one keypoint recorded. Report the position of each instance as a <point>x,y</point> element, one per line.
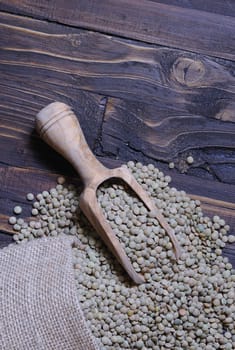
<point>58,126</point>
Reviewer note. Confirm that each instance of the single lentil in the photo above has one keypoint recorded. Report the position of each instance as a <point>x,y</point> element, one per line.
<point>190,160</point>
<point>17,209</point>
<point>12,220</point>
<point>30,196</point>
<point>231,238</point>
<point>34,211</point>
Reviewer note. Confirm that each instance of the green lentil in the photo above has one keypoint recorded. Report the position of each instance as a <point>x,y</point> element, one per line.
<point>34,211</point>
<point>231,238</point>
<point>17,209</point>
<point>12,220</point>
<point>30,196</point>
<point>187,304</point>
<point>190,160</point>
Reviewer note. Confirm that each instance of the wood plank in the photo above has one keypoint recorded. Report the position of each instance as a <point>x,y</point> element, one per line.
<point>24,92</point>
<point>226,8</point>
<point>139,131</point>
<point>178,103</point>
<point>144,20</point>
<point>131,130</point>
<point>31,50</point>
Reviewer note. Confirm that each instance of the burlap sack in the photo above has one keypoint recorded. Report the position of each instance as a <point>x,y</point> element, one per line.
<point>39,308</point>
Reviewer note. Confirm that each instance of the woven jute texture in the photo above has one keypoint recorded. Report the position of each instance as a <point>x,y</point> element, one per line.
<point>39,308</point>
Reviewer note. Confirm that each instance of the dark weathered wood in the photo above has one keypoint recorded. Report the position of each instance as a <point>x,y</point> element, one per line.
<point>185,101</point>
<point>175,80</point>
<point>5,239</point>
<point>140,131</point>
<point>116,67</point>
<point>221,7</point>
<point>23,92</point>
<point>144,20</point>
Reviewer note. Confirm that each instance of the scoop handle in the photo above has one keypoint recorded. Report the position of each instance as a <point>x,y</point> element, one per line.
<point>58,126</point>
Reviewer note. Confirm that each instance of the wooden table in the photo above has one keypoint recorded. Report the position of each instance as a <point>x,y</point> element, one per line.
<point>151,81</point>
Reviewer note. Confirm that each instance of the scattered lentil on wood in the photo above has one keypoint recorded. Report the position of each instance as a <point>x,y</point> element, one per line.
<point>17,209</point>
<point>190,160</point>
<point>30,196</point>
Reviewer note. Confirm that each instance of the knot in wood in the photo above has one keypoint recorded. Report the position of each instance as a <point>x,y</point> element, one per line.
<point>187,71</point>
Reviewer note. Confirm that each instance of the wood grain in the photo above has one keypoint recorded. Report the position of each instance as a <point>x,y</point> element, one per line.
<point>139,131</point>
<point>226,8</point>
<point>24,91</point>
<point>173,79</point>
<point>153,22</point>
<point>171,103</point>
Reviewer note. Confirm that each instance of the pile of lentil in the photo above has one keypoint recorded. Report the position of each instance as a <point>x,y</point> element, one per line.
<point>185,304</point>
